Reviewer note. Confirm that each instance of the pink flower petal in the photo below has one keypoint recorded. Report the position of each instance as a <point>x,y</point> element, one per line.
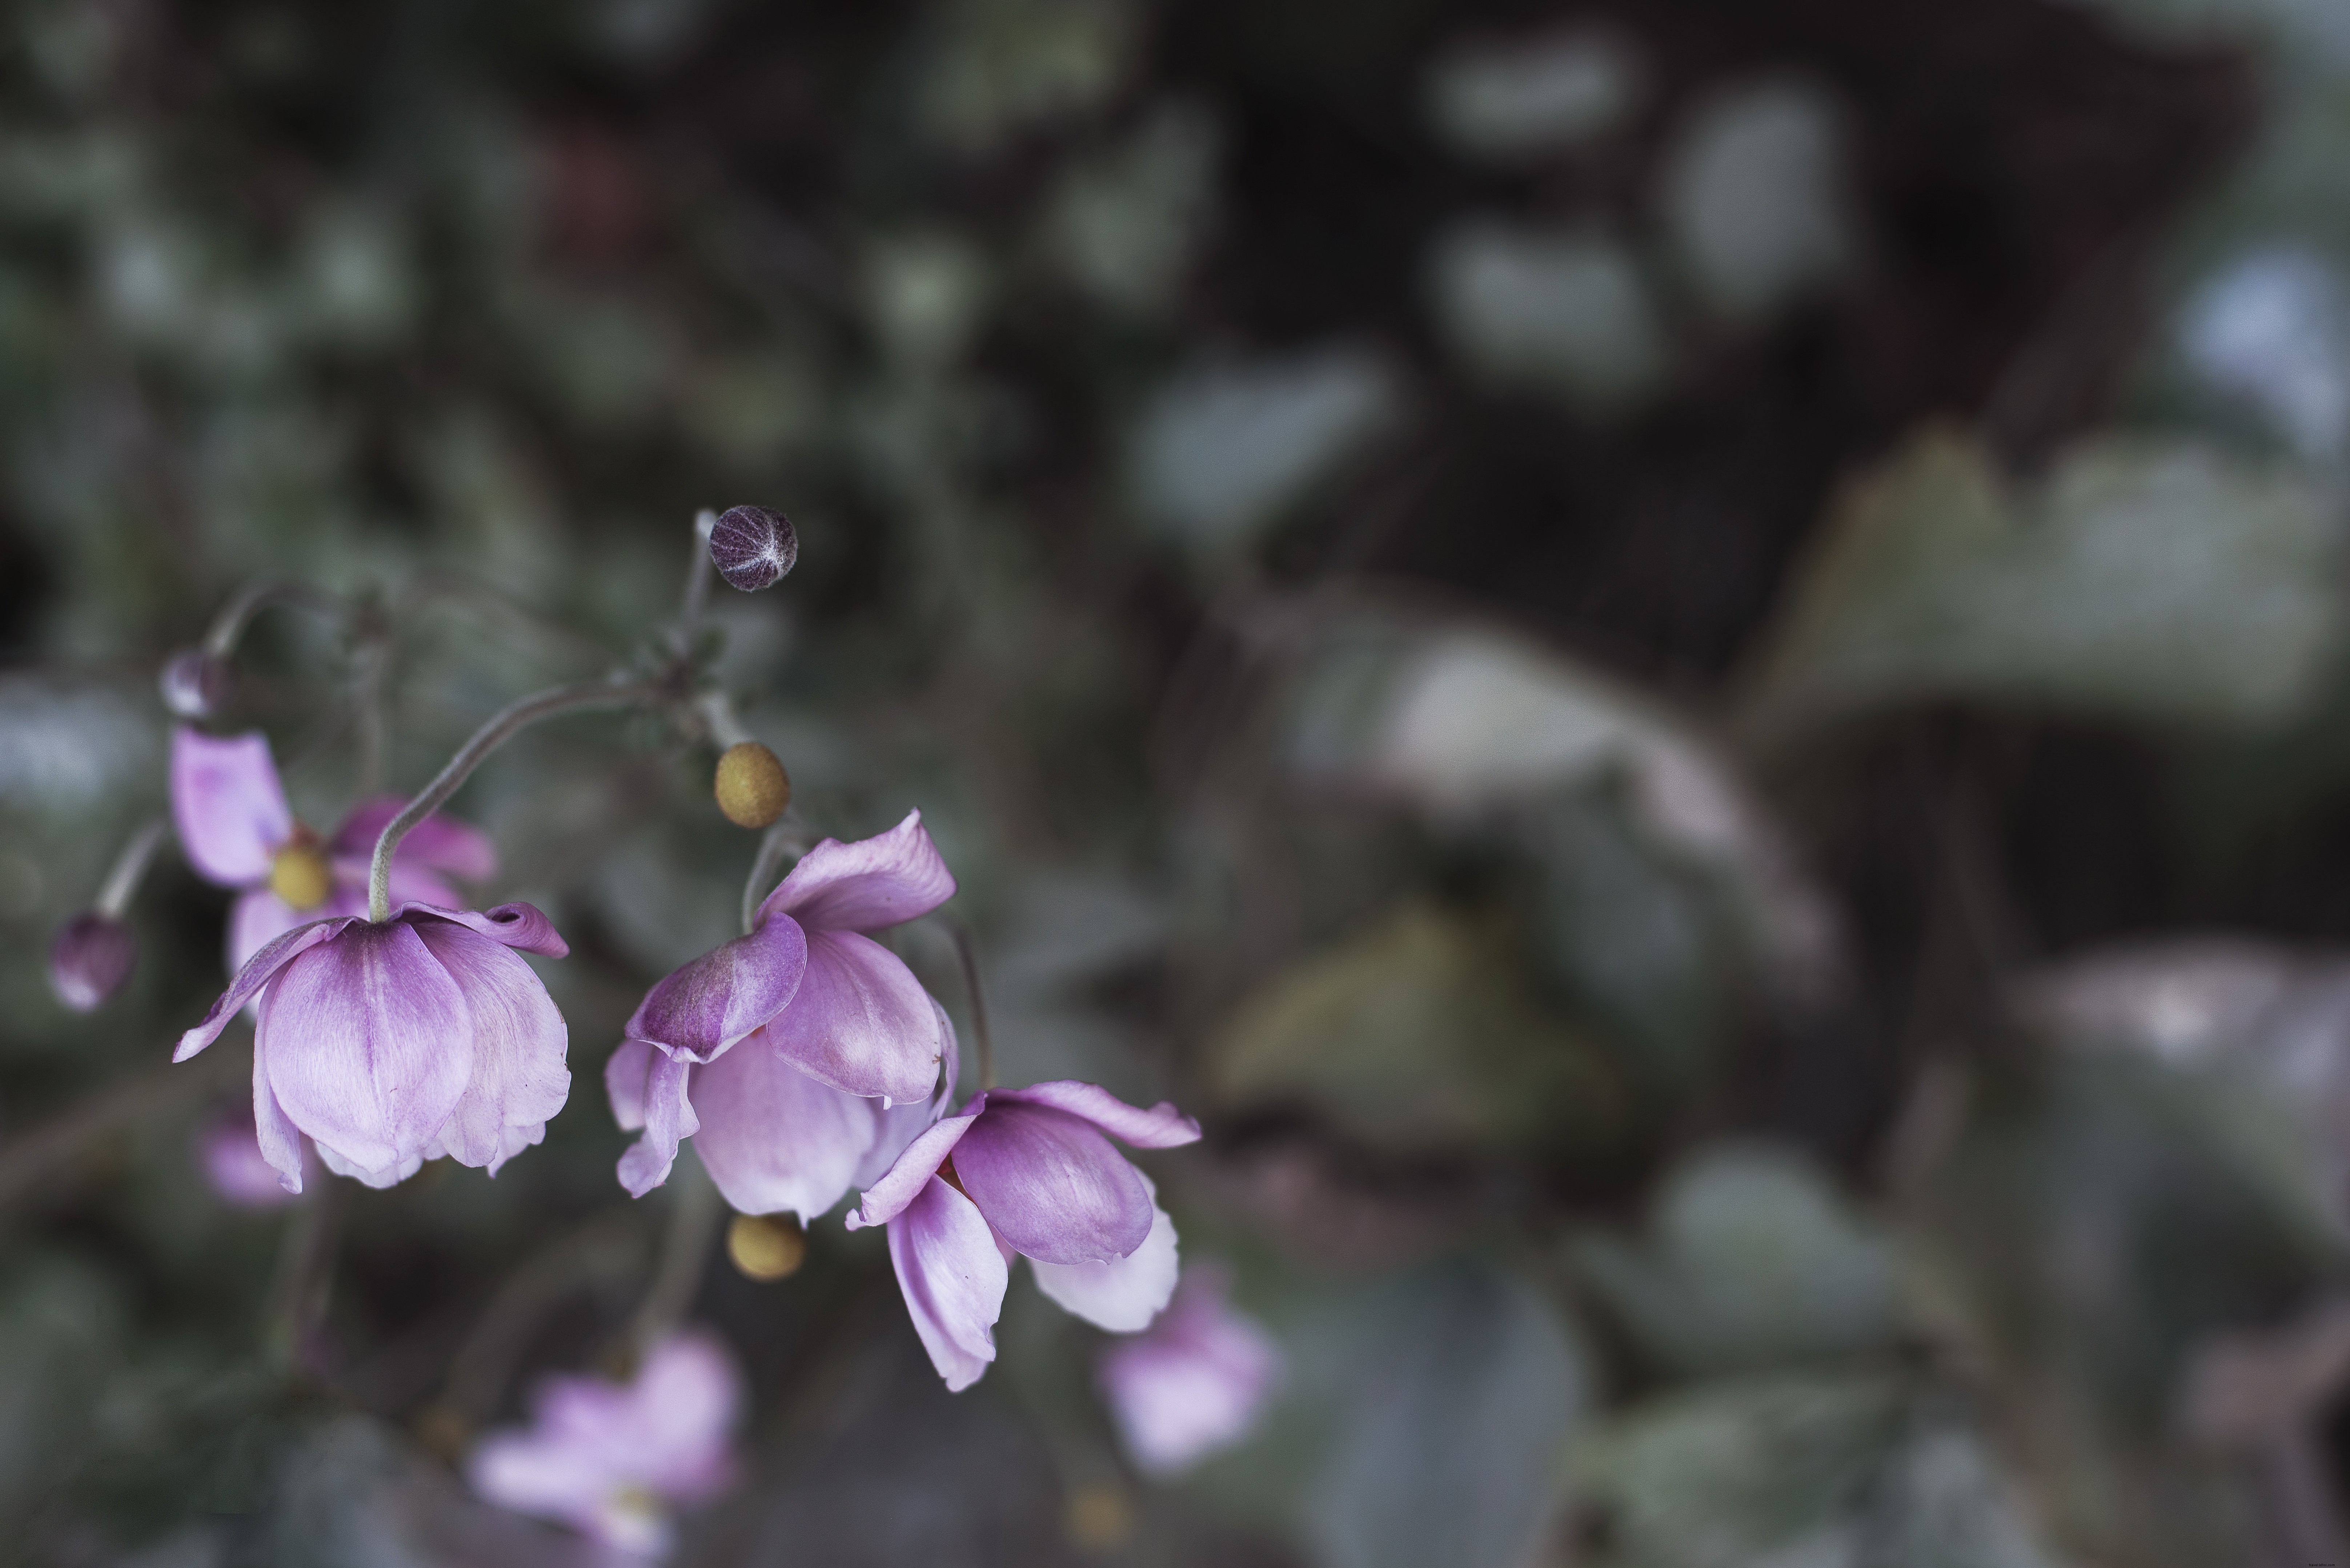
<point>258,972</point>
<point>1120,1295</point>
<point>773,1137</point>
<point>519,1078</point>
<point>861,1022</point>
<point>369,1043</point>
<point>438,843</point>
<point>685,1401</point>
<point>1052,1185</point>
<point>510,925</point>
<point>887,1198</point>
<point>260,917</point>
<point>902,1125</point>
<point>953,1278</point>
<point>624,1083</point>
<point>697,1011</point>
<point>881,881</point>
<point>669,1121</point>
<point>1194,1382</point>
<point>228,805</point>
<point>1161,1126</point>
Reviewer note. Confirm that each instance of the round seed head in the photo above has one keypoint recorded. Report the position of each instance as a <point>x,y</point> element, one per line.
<point>91,958</point>
<point>752,787</point>
<point>765,1247</point>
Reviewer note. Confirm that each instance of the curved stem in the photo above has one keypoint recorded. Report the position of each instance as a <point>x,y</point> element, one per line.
<point>130,867</point>
<point>501,727</point>
<point>227,627</point>
<point>782,839</point>
<point>697,576</point>
<point>978,993</point>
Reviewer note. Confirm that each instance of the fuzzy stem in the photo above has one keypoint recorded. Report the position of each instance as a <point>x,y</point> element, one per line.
<point>784,838</point>
<point>228,626</point>
<point>984,1041</point>
<point>602,692</point>
<point>130,868</point>
<point>697,576</point>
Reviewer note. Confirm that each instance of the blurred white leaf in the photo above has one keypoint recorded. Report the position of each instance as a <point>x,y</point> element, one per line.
<point>2158,581</point>
<point>1753,195</point>
<point>1505,100</point>
<point>1566,313</point>
<point>2272,328</point>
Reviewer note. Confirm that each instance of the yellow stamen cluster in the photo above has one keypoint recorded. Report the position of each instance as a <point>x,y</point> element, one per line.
<point>765,1247</point>
<point>298,873</point>
<point>753,788</point>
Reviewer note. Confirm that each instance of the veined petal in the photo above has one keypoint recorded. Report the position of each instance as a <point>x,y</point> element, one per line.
<point>370,1044</point>
<point>228,805</point>
<point>953,1279</point>
<point>900,1125</point>
<point>258,972</point>
<point>861,1022</point>
<point>624,1083</point>
<point>669,1121</point>
<point>280,1139</point>
<point>509,925</point>
<point>259,918</point>
<point>697,1011</point>
<point>1120,1295</point>
<point>377,1175</point>
<point>862,886</point>
<point>887,1198</point>
<point>1161,1126</point>
<point>438,843</point>
<point>773,1137</point>
<point>519,1078</point>
<point>1051,1184</point>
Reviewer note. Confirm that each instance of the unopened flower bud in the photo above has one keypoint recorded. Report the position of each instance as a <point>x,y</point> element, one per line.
<point>753,547</point>
<point>194,684</point>
<point>299,874</point>
<point>751,788</point>
<point>89,959</point>
<point>765,1247</point>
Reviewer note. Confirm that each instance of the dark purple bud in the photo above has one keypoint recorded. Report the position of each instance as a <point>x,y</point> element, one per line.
<point>753,547</point>
<point>194,683</point>
<point>90,960</point>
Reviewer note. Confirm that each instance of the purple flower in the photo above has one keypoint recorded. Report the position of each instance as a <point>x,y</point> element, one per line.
<point>1193,1382</point>
<point>611,1462</point>
<point>228,1152</point>
<point>395,1043</point>
<point>234,823</point>
<point>1027,1171</point>
<point>89,959</point>
<point>774,1048</point>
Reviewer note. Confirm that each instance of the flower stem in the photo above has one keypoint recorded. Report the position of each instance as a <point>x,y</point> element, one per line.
<point>130,868</point>
<point>685,1254</point>
<point>977,993</point>
<point>697,576</point>
<point>227,627</point>
<point>784,838</point>
<point>606,691</point>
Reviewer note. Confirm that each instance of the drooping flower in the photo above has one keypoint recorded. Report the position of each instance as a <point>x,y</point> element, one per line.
<point>1192,1382</point>
<point>228,1153</point>
<point>91,958</point>
<point>233,820</point>
<point>1027,1171</point>
<point>784,1049</point>
<point>612,1461</point>
<point>394,1043</point>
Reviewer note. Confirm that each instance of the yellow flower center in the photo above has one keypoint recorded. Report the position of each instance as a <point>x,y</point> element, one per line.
<point>752,787</point>
<point>299,874</point>
<point>766,1248</point>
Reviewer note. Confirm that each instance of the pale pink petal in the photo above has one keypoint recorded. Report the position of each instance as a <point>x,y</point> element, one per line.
<point>1194,1382</point>
<point>519,1077</point>
<point>253,1160</point>
<point>260,917</point>
<point>376,1175</point>
<point>953,1277</point>
<point>624,1083</point>
<point>258,972</point>
<point>861,1022</point>
<point>1052,1185</point>
<point>369,1042</point>
<point>669,1121</point>
<point>887,1198</point>
<point>682,1405</point>
<point>519,926</point>
<point>699,1010</point>
<point>227,805</point>
<point>900,1125</point>
<point>439,843</point>
<point>881,881</point>
<point>774,1138</point>
<point>1120,1295</point>
<point>1161,1126</point>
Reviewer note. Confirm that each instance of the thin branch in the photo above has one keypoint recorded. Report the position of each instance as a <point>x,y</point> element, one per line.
<point>606,691</point>
<point>984,1041</point>
<point>784,838</point>
<point>130,867</point>
<point>697,576</point>
<point>229,626</point>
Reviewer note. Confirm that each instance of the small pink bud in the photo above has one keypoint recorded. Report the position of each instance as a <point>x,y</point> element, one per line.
<point>753,547</point>
<point>194,683</point>
<point>89,959</point>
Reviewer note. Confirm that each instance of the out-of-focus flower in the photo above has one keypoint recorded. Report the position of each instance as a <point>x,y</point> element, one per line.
<point>825,1018</point>
<point>235,825</point>
<point>1027,1171</point>
<point>1192,1382</point>
<point>91,958</point>
<point>753,548</point>
<point>612,1461</point>
<point>228,1152</point>
<point>193,683</point>
<point>395,1043</point>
